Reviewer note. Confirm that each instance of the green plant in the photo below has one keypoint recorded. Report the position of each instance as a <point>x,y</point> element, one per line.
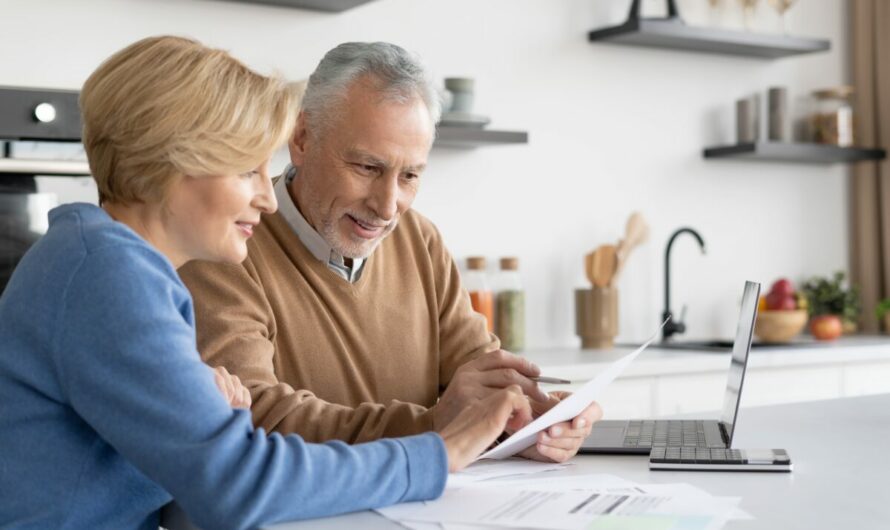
<point>828,296</point>
<point>883,308</point>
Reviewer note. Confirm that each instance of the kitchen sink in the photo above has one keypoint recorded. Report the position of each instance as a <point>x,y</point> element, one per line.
<point>725,346</point>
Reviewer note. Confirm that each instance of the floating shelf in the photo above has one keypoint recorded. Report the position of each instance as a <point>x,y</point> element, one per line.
<point>331,6</point>
<point>67,168</point>
<point>468,137</point>
<point>675,34</point>
<point>805,153</point>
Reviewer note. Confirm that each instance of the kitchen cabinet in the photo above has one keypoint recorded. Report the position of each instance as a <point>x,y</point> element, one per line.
<point>667,382</point>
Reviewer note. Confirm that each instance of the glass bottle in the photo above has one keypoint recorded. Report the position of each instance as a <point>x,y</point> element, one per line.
<point>510,306</point>
<point>481,295</point>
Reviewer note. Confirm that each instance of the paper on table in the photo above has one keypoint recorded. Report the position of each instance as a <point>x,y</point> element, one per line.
<point>565,510</point>
<point>487,470</point>
<point>568,408</point>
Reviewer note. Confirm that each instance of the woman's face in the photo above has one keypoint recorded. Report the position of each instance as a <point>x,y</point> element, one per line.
<point>211,218</point>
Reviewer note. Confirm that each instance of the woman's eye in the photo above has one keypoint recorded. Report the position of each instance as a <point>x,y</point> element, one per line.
<point>250,174</point>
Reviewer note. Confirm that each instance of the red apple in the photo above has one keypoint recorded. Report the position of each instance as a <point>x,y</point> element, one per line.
<point>780,302</point>
<point>826,327</point>
<point>783,286</point>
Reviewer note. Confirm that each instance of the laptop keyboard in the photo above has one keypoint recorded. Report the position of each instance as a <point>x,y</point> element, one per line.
<point>673,433</point>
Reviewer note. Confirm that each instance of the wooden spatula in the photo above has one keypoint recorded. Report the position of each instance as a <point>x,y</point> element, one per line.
<point>635,233</point>
<point>604,265</point>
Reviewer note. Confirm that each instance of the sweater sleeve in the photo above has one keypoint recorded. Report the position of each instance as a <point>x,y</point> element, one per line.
<point>463,333</point>
<point>236,329</point>
<point>126,357</point>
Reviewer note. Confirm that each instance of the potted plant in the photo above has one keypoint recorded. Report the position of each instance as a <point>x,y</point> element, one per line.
<point>830,296</point>
<point>883,313</point>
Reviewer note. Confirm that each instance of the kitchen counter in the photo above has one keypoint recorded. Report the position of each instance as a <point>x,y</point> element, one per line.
<point>665,382</point>
<point>579,365</point>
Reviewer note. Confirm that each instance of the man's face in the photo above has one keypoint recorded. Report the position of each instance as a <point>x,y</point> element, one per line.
<point>358,175</point>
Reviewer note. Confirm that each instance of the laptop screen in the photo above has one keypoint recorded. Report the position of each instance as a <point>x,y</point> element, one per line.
<point>739,362</point>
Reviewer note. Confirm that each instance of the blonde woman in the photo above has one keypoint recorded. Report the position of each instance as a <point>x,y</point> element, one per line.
<point>107,410</point>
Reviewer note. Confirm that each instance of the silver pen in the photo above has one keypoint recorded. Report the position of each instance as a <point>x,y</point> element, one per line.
<point>550,380</point>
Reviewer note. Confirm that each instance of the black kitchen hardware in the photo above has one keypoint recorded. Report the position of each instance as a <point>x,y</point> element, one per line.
<point>674,325</point>
<point>31,115</point>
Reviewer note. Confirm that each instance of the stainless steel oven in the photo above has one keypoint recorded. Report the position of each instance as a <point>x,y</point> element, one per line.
<point>40,136</point>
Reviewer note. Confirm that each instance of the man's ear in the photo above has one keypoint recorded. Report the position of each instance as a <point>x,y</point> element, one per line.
<point>297,142</point>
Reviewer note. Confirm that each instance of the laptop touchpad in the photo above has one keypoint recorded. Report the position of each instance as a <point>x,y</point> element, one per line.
<point>606,435</point>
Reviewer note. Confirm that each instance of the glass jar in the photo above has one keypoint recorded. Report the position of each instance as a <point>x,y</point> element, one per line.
<point>832,121</point>
<point>510,306</point>
<point>481,296</point>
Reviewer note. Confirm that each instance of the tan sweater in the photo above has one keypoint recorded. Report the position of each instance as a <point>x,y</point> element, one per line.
<point>329,359</point>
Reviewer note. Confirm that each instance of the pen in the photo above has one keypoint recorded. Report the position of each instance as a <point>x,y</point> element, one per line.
<point>551,380</point>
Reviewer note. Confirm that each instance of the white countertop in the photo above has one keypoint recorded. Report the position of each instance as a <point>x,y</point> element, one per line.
<point>581,365</point>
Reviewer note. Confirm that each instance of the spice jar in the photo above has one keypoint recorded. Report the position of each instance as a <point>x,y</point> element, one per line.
<point>832,122</point>
<point>510,306</point>
<point>481,296</point>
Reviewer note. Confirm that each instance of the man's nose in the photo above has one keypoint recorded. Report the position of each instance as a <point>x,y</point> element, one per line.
<point>384,199</point>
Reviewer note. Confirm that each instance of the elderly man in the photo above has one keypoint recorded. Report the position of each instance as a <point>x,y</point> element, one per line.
<point>348,320</point>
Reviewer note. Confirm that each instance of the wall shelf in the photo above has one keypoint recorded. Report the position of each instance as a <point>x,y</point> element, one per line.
<point>467,137</point>
<point>66,168</point>
<point>672,33</point>
<point>675,34</point>
<point>805,153</point>
<point>331,6</point>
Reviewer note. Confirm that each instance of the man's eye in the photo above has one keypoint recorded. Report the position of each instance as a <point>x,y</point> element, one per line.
<point>367,168</point>
<point>412,176</point>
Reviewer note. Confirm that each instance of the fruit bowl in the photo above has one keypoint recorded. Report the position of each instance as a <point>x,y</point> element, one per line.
<point>780,326</point>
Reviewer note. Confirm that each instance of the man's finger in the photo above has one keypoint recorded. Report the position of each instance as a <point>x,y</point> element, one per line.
<point>504,359</point>
<point>502,378</point>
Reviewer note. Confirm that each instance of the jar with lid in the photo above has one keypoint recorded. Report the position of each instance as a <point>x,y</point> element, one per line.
<point>832,121</point>
<point>509,319</point>
<point>481,296</point>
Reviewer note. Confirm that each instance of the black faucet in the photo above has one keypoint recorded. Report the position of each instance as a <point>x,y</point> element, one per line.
<point>674,325</point>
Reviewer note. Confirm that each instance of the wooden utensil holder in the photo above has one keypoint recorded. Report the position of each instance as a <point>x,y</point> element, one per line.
<point>596,316</point>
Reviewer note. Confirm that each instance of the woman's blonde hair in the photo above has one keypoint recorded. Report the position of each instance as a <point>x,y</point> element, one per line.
<point>164,107</point>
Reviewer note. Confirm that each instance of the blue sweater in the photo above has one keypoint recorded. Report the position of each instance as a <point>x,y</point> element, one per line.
<point>106,410</point>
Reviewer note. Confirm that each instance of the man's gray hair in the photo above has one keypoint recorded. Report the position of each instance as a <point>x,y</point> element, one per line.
<point>399,75</point>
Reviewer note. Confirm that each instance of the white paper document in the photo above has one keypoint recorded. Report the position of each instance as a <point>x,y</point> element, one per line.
<point>567,510</point>
<point>568,408</point>
<point>487,470</point>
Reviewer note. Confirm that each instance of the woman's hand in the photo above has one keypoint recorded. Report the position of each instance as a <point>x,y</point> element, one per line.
<point>478,425</point>
<point>231,388</point>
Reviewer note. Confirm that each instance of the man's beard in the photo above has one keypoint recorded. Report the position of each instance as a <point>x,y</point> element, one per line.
<point>353,247</point>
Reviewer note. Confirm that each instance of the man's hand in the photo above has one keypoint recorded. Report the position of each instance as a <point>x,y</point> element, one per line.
<point>231,388</point>
<point>561,441</point>
<point>479,425</point>
<point>482,377</point>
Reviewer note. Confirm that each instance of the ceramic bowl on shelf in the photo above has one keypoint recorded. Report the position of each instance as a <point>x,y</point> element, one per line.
<point>780,326</point>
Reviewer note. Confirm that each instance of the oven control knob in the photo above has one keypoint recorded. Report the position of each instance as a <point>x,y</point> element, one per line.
<point>45,113</point>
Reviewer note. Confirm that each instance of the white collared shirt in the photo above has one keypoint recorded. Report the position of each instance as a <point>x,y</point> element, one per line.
<point>309,236</point>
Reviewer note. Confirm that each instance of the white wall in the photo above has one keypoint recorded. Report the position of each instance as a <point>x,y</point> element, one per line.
<point>613,129</point>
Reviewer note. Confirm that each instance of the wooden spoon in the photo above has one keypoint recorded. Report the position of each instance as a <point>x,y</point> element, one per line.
<point>604,265</point>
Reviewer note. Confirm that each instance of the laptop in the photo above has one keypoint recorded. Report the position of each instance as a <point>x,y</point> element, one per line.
<point>640,436</point>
